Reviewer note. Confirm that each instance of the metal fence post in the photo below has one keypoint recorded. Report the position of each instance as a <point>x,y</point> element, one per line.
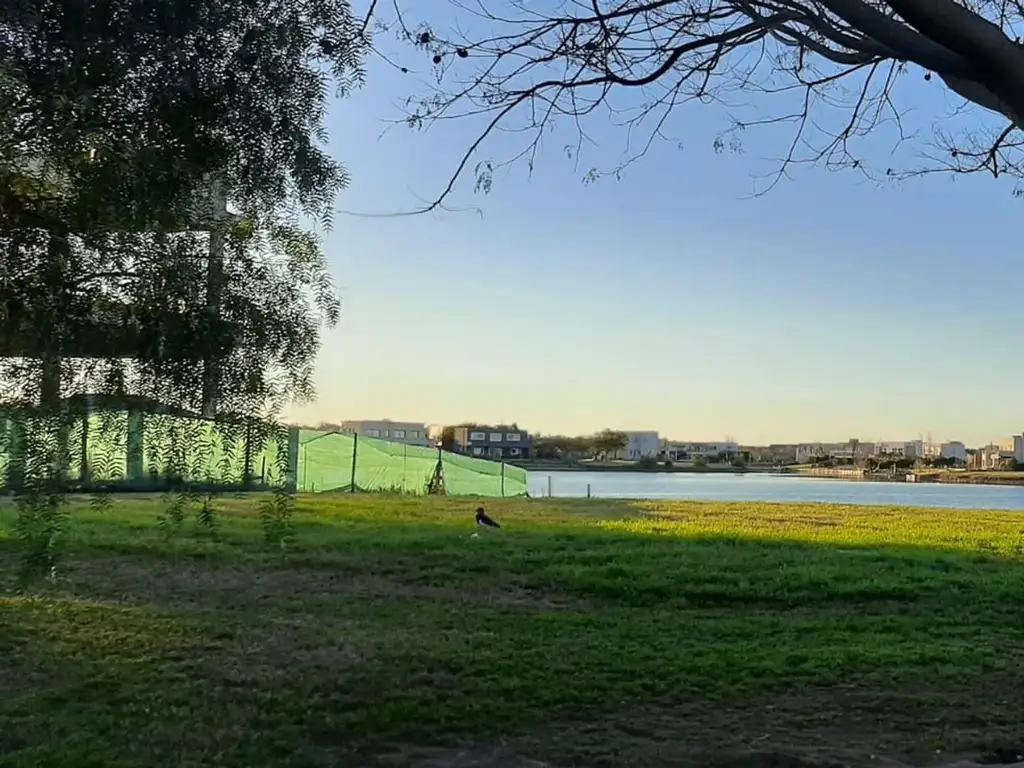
<point>247,457</point>
<point>135,447</point>
<point>291,478</point>
<point>355,446</point>
<point>83,467</point>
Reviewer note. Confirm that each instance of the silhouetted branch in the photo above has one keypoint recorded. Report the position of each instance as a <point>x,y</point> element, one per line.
<point>526,70</point>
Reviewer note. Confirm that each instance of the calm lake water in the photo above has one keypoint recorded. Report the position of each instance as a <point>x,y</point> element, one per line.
<point>764,487</point>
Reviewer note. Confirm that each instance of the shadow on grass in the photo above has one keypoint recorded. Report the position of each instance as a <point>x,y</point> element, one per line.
<point>389,624</point>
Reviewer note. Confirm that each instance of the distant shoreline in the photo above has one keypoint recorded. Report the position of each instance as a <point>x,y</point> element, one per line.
<point>928,476</point>
<point>555,466</point>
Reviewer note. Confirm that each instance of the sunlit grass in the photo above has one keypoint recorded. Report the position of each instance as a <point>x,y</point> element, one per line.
<point>387,624</point>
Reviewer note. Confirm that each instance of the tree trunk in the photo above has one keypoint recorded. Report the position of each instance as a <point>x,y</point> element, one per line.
<point>214,288</point>
<point>50,402</point>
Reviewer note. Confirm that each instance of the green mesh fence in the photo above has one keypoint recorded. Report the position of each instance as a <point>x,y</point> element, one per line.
<point>329,461</point>
<point>467,476</point>
<point>139,451</point>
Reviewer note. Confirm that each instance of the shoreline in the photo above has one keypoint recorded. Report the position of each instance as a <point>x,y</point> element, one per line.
<point>930,477</point>
<point>534,466</point>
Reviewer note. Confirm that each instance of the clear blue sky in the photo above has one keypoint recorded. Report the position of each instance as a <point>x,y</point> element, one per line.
<point>670,299</point>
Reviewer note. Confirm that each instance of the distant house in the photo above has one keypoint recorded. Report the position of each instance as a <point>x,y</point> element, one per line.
<point>957,451</point>
<point>990,456</point>
<point>922,449</point>
<point>643,444</point>
<point>809,452</point>
<point>682,451</point>
<point>782,453</point>
<point>493,442</point>
<point>852,450</point>
<point>408,432</point>
<point>1018,448</point>
<point>891,449</point>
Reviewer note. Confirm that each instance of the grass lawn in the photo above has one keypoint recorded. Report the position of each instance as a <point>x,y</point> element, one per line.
<point>594,633</point>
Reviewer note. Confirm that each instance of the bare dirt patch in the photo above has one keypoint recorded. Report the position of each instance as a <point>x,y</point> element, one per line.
<point>812,728</point>
<point>197,583</point>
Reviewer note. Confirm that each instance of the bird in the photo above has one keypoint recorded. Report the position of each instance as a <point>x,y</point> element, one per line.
<point>484,520</point>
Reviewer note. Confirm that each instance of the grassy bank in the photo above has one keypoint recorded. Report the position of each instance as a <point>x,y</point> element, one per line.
<point>582,633</point>
<point>985,477</point>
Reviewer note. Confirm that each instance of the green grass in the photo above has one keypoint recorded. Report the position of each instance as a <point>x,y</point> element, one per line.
<point>582,633</point>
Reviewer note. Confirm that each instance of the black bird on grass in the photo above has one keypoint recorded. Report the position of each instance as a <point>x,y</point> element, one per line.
<point>483,519</point>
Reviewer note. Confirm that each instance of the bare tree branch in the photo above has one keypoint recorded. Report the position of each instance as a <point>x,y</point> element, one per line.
<point>525,71</point>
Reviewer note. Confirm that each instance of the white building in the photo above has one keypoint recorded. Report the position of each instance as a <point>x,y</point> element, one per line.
<point>891,448</point>
<point>957,451</point>
<point>807,452</point>
<point>676,451</point>
<point>922,449</point>
<point>851,449</point>
<point>408,432</point>
<point>642,444</point>
<point>991,456</point>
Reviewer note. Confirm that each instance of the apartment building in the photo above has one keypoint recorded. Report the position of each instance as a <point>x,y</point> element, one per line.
<point>408,432</point>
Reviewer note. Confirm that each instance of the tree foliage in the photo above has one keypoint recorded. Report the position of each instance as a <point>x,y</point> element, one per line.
<point>158,161</point>
<point>599,445</point>
<point>832,67</point>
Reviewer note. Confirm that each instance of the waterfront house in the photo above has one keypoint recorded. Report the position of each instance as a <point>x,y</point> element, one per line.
<point>493,442</point>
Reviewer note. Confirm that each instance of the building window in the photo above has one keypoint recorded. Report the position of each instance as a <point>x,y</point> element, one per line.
<point>387,433</point>
<point>399,433</point>
<point>513,437</point>
<point>478,451</point>
<point>373,433</point>
<point>496,437</point>
<point>477,436</point>
<point>414,434</point>
<point>514,452</point>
